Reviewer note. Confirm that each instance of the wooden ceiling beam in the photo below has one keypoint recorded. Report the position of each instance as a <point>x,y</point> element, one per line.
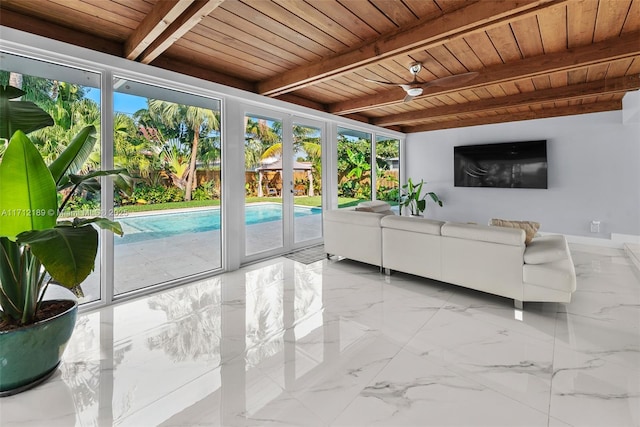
<point>179,27</point>
<point>153,25</point>
<point>11,19</point>
<point>180,67</point>
<point>478,16</point>
<point>595,107</point>
<point>565,93</point>
<point>305,102</point>
<point>609,50</point>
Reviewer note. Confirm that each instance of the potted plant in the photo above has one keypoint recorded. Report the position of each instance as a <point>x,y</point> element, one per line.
<point>413,199</point>
<point>37,249</point>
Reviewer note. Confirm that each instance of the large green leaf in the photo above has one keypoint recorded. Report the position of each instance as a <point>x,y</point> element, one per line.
<point>23,115</point>
<point>28,199</point>
<point>79,178</point>
<point>67,253</point>
<point>435,198</point>
<point>124,182</point>
<point>104,223</point>
<point>71,160</point>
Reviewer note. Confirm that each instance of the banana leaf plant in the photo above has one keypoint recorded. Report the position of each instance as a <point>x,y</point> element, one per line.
<point>413,199</point>
<point>35,247</point>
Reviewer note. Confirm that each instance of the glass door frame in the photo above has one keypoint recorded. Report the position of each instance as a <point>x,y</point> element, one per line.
<point>290,233</point>
<point>287,192</point>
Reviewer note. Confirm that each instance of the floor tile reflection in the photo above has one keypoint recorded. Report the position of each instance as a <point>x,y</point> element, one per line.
<point>335,343</point>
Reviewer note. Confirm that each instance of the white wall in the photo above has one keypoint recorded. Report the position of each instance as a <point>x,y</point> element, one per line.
<point>594,174</point>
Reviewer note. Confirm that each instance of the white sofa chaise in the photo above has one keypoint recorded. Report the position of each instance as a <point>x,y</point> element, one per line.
<point>486,258</point>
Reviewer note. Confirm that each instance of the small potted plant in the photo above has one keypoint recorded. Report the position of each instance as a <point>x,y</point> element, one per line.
<point>413,199</point>
<point>35,248</point>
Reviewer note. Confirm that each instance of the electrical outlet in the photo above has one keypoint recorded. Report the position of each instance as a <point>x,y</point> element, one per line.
<point>595,226</point>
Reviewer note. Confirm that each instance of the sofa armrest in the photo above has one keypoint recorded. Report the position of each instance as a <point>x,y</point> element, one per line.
<point>349,216</point>
<point>546,249</point>
<point>548,265</point>
<point>373,206</point>
<point>354,235</point>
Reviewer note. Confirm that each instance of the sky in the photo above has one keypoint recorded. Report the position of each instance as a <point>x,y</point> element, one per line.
<point>122,102</point>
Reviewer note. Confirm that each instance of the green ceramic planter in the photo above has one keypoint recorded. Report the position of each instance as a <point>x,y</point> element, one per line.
<point>29,355</point>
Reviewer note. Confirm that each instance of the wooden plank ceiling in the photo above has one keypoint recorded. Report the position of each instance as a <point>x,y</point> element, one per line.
<point>533,58</point>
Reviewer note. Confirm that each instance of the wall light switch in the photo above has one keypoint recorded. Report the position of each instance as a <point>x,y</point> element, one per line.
<point>595,226</point>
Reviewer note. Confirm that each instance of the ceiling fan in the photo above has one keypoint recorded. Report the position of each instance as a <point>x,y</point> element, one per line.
<point>415,88</point>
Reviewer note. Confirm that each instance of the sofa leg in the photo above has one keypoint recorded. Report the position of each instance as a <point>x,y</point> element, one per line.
<point>387,271</point>
<point>517,304</point>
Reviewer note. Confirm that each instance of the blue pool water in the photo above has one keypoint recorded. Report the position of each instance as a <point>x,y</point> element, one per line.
<point>146,227</point>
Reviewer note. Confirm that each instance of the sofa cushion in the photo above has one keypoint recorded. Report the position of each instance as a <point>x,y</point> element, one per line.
<point>409,223</point>
<point>529,227</point>
<point>484,233</point>
<point>546,249</point>
<point>373,206</point>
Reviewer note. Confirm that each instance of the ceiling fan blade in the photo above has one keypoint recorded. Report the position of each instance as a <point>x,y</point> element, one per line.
<point>385,83</point>
<point>451,80</point>
<point>408,98</point>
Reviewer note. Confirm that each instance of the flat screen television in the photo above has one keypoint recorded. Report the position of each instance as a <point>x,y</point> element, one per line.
<point>504,165</point>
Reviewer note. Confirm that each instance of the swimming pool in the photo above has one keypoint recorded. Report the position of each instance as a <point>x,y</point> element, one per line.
<point>147,227</point>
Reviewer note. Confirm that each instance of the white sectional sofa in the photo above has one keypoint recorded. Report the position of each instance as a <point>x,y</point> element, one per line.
<point>354,235</point>
<point>487,258</point>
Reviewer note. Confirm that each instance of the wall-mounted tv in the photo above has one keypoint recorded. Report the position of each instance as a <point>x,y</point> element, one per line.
<point>505,165</point>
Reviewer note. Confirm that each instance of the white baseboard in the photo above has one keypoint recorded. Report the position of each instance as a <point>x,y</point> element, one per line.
<point>616,241</point>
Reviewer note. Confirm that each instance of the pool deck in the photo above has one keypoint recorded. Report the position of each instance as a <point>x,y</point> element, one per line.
<point>145,263</point>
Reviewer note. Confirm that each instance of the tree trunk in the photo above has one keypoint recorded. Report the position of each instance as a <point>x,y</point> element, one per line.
<point>192,180</point>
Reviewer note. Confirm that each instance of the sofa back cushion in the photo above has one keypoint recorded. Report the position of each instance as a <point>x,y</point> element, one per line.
<point>484,233</point>
<point>413,224</point>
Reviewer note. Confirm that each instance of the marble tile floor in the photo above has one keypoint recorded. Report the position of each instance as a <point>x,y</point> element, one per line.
<point>335,343</point>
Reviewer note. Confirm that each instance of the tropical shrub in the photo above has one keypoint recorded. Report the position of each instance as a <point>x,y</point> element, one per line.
<point>156,194</point>
<point>82,204</point>
<point>200,193</point>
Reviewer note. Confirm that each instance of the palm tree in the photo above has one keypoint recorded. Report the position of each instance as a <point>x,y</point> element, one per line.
<point>177,163</point>
<point>71,111</point>
<point>137,148</point>
<point>259,136</point>
<point>188,119</point>
<point>302,141</point>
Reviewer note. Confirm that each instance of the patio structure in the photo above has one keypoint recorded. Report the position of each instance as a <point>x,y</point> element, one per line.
<point>276,166</point>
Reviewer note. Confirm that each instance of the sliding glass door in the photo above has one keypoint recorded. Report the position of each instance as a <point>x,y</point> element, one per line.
<point>283,183</point>
<point>307,181</point>
<point>71,96</point>
<point>169,142</point>
<point>264,172</point>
